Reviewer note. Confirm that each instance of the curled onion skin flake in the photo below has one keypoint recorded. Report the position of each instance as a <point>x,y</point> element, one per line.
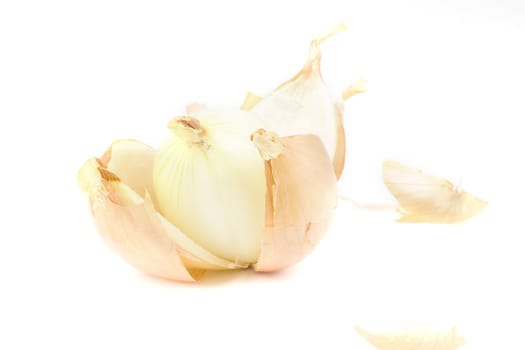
<point>424,198</point>
<point>301,197</point>
<point>416,338</point>
<point>127,220</point>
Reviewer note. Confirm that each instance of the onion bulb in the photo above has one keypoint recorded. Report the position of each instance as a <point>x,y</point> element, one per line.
<point>254,186</point>
<point>214,196</point>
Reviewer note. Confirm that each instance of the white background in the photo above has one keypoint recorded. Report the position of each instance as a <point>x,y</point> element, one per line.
<point>446,90</point>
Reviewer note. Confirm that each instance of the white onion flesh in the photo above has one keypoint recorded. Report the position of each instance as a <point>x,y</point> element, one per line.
<point>214,189</point>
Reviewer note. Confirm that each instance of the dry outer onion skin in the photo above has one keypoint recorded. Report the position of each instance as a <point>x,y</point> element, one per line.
<point>301,196</point>
<point>304,105</point>
<point>127,220</point>
<point>415,339</point>
<point>426,198</point>
<point>338,160</point>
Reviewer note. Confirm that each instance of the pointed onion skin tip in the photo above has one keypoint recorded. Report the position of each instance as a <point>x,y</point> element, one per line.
<point>341,27</point>
<point>305,96</point>
<point>357,87</point>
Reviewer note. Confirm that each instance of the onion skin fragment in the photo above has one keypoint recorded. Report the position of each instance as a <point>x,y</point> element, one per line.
<point>414,338</point>
<point>339,159</point>
<point>424,198</point>
<point>301,198</point>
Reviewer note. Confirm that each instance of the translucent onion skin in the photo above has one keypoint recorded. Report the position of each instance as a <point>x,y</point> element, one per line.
<point>301,197</point>
<point>424,198</point>
<point>304,105</point>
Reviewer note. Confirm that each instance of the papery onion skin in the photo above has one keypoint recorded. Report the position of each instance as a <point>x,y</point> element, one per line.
<point>339,157</point>
<point>424,198</point>
<point>301,197</point>
<point>415,338</point>
<point>301,105</point>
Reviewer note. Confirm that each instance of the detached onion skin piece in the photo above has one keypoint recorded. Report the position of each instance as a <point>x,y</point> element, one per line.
<point>301,197</point>
<point>415,338</point>
<point>127,220</point>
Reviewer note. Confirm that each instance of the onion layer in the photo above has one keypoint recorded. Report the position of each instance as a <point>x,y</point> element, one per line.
<point>301,196</point>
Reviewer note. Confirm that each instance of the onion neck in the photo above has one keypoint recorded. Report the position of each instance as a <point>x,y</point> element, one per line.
<point>190,130</point>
